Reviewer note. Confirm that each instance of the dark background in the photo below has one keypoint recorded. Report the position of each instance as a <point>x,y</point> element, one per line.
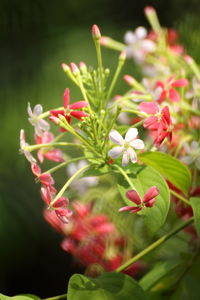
<point>36,36</point>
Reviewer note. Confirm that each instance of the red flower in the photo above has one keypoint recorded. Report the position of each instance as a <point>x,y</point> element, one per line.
<point>70,110</point>
<point>160,121</point>
<point>45,178</point>
<point>147,201</point>
<point>168,88</point>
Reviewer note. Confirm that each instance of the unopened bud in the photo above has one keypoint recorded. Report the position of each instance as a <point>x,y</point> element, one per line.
<point>66,68</point>
<point>83,66</point>
<point>55,120</point>
<point>96,34</point>
<point>129,79</point>
<point>107,72</point>
<point>122,56</point>
<point>149,10</point>
<point>74,68</point>
<point>188,59</point>
<point>104,41</point>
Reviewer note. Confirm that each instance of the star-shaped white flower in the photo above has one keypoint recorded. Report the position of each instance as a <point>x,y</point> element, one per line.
<point>126,145</point>
<point>35,120</point>
<point>193,154</point>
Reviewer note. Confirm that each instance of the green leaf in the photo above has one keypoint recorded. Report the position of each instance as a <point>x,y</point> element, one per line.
<point>97,171</point>
<point>108,286</point>
<point>171,168</point>
<point>160,270</point>
<point>143,179</point>
<point>195,202</point>
<point>19,297</point>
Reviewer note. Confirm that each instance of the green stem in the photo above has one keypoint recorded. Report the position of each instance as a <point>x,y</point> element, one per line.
<point>31,148</point>
<point>115,77</point>
<point>180,197</point>
<point>154,245</point>
<point>100,64</point>
<point>60,297</point>
<point>125,176</point>
<point>65,186</point>
<point>63,164</point>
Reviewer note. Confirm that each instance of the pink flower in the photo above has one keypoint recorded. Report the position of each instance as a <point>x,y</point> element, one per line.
<point>49,153</point>
<point>159,121</point>
<point>45,178</point>
<point>147,201</point>
<point>70,110</point>
<point>168,88</point>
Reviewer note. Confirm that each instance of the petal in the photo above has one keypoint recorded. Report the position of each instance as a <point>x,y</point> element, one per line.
<point>66,97</point>
<point>148,45</point>
<point>149,107</point>
<point>174,95</point>
<point>29,157</point>
<point>46,196</point>
<point>133,196</point>
<point>78,114</point>
<point>35,169</point>
<point>131,134</point>
<point>179,82</point>
<point>150,194</point>
<point>140,32</point>
<point>137,144</point>
<point>61,202</point>
<point>194,146</point>
<point>130,38</point>
<point>63,214</point>
<point>29,110</point>
<point>54,155</point>
<point>79,104</point>
<point>151,123</point>
<point>116,137</point>
<point>116,152</point>
<point>127,208</point>
<point>187,159</point>
<point>44,125</point>
<point>57,112</point>
<point>132,155</point>
<point>125,158</point>
<point>46,179</point>
<point>166,115</point>
<point>150,203</point>
<point>38,110</point>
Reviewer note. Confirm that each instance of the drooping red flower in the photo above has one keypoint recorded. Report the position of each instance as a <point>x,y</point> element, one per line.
<point>70,110</point>
<point>147,201</point>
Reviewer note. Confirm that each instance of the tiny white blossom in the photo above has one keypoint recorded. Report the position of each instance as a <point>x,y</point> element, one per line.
<point>126,145</point>
<point>35,120</point>
<point>193,152</point>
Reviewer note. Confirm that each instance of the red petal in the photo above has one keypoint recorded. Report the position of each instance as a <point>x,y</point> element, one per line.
<point>133,196</point>
<point>179,82</point>
<point>160,83</point>
<point>66,97</point>
<point>35,169</point>
<point>150,203</point>
<point>149,107</point>
<point>166,115</point>
<point>151,123</point>
<point>78,104</point>
<point>46,196</point>
<point>174,95</point>
<point>78,114</point>
<point>61,202</point>
<point>150,194</point>
<point>46,179</point>
<point>55,113</point>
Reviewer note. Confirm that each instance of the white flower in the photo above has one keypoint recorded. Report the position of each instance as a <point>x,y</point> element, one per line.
<point>23,146</point>
<point>193,156</point>
<point>81,184</point>
<point>126,146</point>
<point>35,120</point>
<point>138,44</point>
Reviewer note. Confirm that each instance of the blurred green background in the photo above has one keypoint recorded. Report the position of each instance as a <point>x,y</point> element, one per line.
<point>36,37</point>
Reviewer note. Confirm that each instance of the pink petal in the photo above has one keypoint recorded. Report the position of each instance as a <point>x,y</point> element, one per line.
<point>54,155</point>
<point>166,115</point>
<point>150,194</point>
<point>78,114</point>
<point>35,169</point>
<point>174,95</point>
<point>149,107</point>
<point>40,156</point>
<point>127,208</point>
<point>63,214</point>
<point>179,82</point>
<point>46,196</point>
<point>78,104</point>
<point>151,123</point>
<point>66,98</point>
<point>46,179</point>
<point>133,196</point>
<point>61,202</point>
<point>150,203</point>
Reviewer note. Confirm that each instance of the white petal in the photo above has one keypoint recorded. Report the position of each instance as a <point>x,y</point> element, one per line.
<point>187,148</point>
<point>132,155</point>
<point>115,152</point>
<point>38,110</point>
<point>194,146</point>
<point>44,125</point>
<point>140,33</point>
<point>137,144</point>
<point>187,159</point>
<point>116,137</point>
<point>129,38</point>
<point>125,158</point>
<point>148,45</point>
<point>131,134</point>
<point>29,110</point>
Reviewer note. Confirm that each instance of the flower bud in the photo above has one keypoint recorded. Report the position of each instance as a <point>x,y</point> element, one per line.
<point>55,120</point>
<point>122,56</point>
<point>65,67</point>
<point>74,68</point>
<point>96,34</point>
